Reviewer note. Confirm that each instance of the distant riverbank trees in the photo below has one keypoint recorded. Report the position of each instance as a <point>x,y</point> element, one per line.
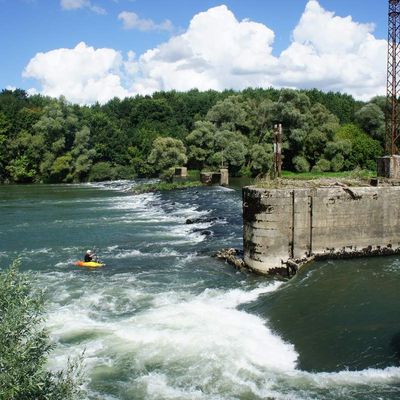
<point>44,139</point>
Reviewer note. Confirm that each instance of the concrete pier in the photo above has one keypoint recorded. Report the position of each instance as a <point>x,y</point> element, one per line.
<point>389,167</point>
<point>293,225</point>
<point>181,172</point>
<point>215,178</point>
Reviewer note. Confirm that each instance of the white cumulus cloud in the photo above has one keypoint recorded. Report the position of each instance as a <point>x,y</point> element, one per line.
<point>334,53</point>
<point>82,74</point>
<point>218,51</point>
<point>131,20</point>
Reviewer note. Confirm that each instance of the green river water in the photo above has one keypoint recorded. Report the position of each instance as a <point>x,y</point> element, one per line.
<point>165,320</point>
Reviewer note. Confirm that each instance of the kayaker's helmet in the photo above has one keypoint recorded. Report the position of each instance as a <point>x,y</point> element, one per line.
<point>88,251</point>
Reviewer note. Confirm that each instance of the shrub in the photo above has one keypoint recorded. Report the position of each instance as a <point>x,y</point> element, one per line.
<point>25,345</point>
<point>322,165</point>
<point>337,163</point>
<point>124,172</point>
<point>102,171</point>
<point>168,175</point>
<point>364,149</point>
<point>301,164</point>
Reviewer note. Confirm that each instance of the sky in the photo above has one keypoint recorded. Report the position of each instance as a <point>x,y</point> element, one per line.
<point>94,50</point>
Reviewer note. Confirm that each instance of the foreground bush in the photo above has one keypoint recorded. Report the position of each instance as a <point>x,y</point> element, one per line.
<point>25,345</point>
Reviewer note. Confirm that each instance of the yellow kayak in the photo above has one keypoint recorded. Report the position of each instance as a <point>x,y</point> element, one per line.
<point>89,264</point>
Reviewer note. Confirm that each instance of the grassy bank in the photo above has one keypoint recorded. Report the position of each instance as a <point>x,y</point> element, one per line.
<point>356,174</point>
<point>316,179</point>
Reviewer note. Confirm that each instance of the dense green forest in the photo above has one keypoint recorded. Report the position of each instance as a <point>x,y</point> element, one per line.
<point>50,140</point>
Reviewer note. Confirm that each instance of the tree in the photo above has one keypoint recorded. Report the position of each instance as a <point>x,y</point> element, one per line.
<point>11,101</point>
<point>230,149</point>
<point>110,143</point>
<point>260,118</point>
<point>364,149</point>
<point>49,140</point>
<point>230,114</point>
<point>25,345</point>
<point>167,152</point>
<point>5,126</point>
<point>336,152</point>
<point>26,151</point>
<point>261,156</point>
<point>340,104</point>
<point>57,125</point>
<point>102,171</point>
<point>56,122</point>
<point>301,164</point>
<point>322,165</point>
<point>20,170</point>
<point>61,168</point>
<point>201,143</point>
<point>371,120</point>
<point>82,155</point>
<point>307,128</point>
<point>314,145</point>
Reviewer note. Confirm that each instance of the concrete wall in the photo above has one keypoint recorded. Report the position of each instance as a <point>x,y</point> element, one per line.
<point>215,178</point>
<point>389,167</point>
<point>224,177</point>
<point>181,172</point>
<point>293,224</point>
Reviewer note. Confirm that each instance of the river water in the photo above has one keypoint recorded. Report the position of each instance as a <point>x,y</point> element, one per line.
<point>165,320</point>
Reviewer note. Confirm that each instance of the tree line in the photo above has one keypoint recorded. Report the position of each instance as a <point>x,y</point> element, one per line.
<point>43,139</point>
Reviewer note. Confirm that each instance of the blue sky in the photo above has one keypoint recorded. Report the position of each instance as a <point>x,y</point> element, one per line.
<point>29,27</point>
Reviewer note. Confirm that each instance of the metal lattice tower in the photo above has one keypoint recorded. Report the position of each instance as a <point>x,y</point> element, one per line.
<point>393,79</point>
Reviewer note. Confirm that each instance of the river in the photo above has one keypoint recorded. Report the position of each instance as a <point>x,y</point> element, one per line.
<point>165,320</point>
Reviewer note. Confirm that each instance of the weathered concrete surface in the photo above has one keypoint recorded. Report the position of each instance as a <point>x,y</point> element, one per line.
<point>389,167</point>
<point>215,178</point>
<point>224,177</point>
<point>297,224</point>
<point>181,172</point>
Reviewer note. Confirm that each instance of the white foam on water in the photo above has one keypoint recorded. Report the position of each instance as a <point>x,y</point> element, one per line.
<point>148,209</point>
<point>186,211</point>
<point>22,225</point>
<point>331,380</point>
<point>187,259</point>
<point>224,189</point>
<point>170,225</point>
<point>134,202</point>
<point>183,345</point>
<point>203,337</point>
<point>155,383</point>
<point>44,250</point>
<point>186,234</point>
<point>67,263</point>
<point>165,252</point>
<point>71,320</point>
<point>233,298</point>
<point>201,330</point>
<point>128,254</point>
<point>133,253</point>
<point>119,185</point>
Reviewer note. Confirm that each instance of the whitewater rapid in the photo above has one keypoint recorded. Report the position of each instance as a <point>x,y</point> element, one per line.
<point>163,319</point>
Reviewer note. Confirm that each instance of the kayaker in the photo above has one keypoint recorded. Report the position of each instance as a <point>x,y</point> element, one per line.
<point>89,256</point>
